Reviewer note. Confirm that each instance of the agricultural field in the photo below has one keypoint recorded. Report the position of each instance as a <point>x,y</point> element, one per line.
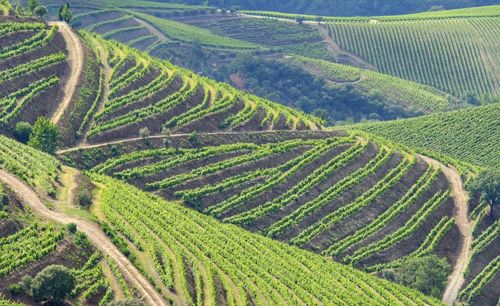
<point>287,37</point>
<point>469,135</point>
<point>203,261</point>
<point>363,202</point>
<point>29,244</point>
<point>33,67</point>
<point>456,55</point>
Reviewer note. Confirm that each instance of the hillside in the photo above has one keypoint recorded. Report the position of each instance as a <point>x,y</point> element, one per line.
<point>231,195</point>
<point>183,257</point>
<point>470,134</point>
<point>134,91</point>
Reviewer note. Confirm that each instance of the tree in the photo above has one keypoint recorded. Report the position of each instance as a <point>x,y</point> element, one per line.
<point>65,14</point>
<point>53,284</point>
<point>144,133</point>
<point>59,14</point>
<point>300,20</point>
<point>72,228</point>
<point>427,274</point>
<point>45,136</point>
<point>23,131</point>
<point>40,11</point>
<point>487,184</point>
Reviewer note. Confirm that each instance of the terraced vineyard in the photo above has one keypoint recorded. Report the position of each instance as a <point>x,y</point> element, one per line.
<point>290,38</point>
<point>469,135</point>
<point>206,262</point>
<point>363,202</point>
<point>482,277</point>
<point>32,68</point>
<point>137,91</point>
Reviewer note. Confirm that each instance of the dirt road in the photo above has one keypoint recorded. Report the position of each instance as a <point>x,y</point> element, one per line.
<point>459,195</point>
<point>76,59</point>
<point>95,234</point>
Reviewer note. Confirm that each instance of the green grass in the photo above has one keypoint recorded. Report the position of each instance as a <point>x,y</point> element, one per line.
<point>189,34</point>
<point>469,135</point>
<point>410,95</point>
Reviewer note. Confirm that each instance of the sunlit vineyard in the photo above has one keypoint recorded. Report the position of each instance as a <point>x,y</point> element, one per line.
<point>470,134</point>
<point>203,261</point>
<point>31,66</point>
<point>305,189</point>
<point>459,56</point>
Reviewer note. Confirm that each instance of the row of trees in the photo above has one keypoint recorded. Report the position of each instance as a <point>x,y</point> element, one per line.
<point>35,8</point>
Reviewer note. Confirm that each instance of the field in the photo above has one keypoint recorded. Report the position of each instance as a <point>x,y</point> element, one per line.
<point>29,244</point>
<point>136,91</point>
<point>32,68</point>
<point>413,97</point>
<point>206,262</point>
<point>470,134</point>
<point>303,188</point>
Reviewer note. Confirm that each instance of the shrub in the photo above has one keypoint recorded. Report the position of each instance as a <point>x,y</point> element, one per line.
<point>132,302</point>
<point>45,136</point>
<point>53,284</point>
<point>84,198</point>
<point>23,131</point>
<point>15,289</point>
<point>82,240</point>
<point>72,228</point>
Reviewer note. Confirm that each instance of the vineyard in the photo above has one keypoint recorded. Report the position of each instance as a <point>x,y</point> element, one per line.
<point>458,56</point>
<point>32,67</point>
<point>206,262</point>
<point>482,277</point>
<point>469,135</point>
<point>28,245</point>
<point>363,202</point>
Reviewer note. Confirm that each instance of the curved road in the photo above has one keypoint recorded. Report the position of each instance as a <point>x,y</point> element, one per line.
<point>92,230</point>
<point>459,195</point>
<point>76,60</point>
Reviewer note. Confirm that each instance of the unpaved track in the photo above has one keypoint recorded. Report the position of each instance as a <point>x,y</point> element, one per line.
<point>76,59</point>
<point>459,195</point>
<point>92,230</point>
<point>114,142</point>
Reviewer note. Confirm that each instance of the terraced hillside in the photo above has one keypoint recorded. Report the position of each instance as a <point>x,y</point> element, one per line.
<point>33,67</point>
<point>363,202</point>
<point>469,135</point>
<point>193,259</point>
<point>136,91</point>
<point>28,243</point>
<point>454,51</point>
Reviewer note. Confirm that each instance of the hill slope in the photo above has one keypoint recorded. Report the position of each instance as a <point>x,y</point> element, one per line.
<point>470,134</point>
<point>192,258</point>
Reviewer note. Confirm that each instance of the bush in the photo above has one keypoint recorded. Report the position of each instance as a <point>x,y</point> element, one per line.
<point>23,131</point>
<point>84,198</point>
<point>487,184</point>
<point>144,133</point>
<point>15,289</point>
<point>82,240</point>
<point>45,136</point>
<point>53,284</point>
<point>427,274</point>
<point>72,228</point>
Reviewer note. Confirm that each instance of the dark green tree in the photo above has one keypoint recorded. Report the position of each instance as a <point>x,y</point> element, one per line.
<point>53,284</point>
<point>23,131</point>
<point>66,14</point>
<point>427,274</point>
<point>487,184</point>
<point>40,11</point>
<point>32,5</point>
<point>45,136</point>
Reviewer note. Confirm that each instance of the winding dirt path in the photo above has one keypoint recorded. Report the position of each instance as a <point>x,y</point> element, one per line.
<point>120,141</point>
<point>76,59</point>
<point>459,195</point>
<point>92,230</point>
